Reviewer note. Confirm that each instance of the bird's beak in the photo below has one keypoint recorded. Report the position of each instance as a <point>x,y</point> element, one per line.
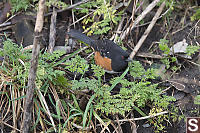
<point>129,59</point>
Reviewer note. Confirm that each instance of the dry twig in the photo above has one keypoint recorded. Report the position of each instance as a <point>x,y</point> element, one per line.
<point>52,34</point>
<point>142,118</point>
<point>139,18</point>
<point>28,107</point>
<point>69,8</point>
<point>146,33</point>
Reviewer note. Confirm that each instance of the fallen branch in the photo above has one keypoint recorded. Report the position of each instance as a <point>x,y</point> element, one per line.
<point>142,118</point>
<point>139,18</point>
<point>146,33</point>
<point>52,34</point>
<point>28,107</point>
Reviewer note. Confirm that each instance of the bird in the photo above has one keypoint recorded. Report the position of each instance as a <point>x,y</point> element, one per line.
<point>111,57</point>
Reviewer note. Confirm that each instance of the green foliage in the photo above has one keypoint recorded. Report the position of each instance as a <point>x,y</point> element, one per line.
<point>18,5</point>
<point>119,96</point>
<point>163,45</point>
<point>98,71</point>
<point>75,111</point>
<point>135,92</point>
<point>159,127</point>
<point>168,3</point>
<point>118,79</point>
<point>196,15</point>
<point>45,71</point>
<point>77,64</point>
<point>18,64</point>
<point>13,51</point>
<point>132,93</point>
<point>14,74</point>
<point>159,120</point>
<point>166,62</point>
<point>175,116</point>
<point>85,83</point>
<point>192,49</point>
<point>14,57</point>
<point>104,16</point>
<point>118,103</point>
<point>197,100</point>
<point>138,71</point>
<point>56,3</point>
<point>52,57</point>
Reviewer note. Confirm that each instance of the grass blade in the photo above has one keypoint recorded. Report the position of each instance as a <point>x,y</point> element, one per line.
<point>101,121</point>
<point>70,117</point>
<point>75,102</point>
<point>119,79</point>
<point>86,110</point>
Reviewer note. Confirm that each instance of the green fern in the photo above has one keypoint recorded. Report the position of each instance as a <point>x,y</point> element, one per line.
<point>18,5</point>
<point>77,64</point>
<point>107,17</point>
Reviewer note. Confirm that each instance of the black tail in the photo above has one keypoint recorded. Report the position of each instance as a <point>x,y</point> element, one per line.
<point>80,36</point>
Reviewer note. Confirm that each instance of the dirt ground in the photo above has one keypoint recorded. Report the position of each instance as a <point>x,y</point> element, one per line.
<point>183,84</point>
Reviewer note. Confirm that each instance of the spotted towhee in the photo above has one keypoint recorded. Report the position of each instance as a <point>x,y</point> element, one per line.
<point>108,55</point>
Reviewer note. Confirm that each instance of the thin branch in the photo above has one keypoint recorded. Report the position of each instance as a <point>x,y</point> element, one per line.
<point>139,18</point>
<point>73,19</point>
<point>82,18</point>
<point>69,8</point>
<point>146,33</point>
<point>10,126</point>
<point>28,107</point>
<point>52,34</point>
<point>142,118</point>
